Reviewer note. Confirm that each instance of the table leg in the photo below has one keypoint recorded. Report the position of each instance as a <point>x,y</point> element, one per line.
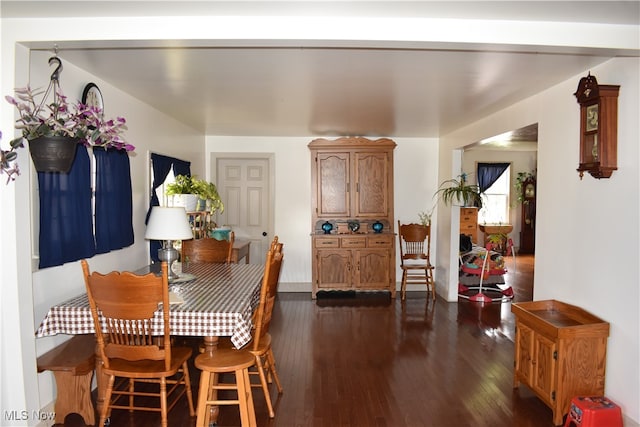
<point>210,344</point>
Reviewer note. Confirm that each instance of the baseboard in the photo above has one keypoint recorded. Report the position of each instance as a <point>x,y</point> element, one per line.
<point>306,287</point>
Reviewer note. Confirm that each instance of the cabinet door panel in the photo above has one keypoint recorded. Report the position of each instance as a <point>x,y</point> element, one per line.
<point>334,269</point>
<point>372,269</point>
<point>333,185</point>
<point>372,171</point>
<point>544,369</point>
<point>524,352</point>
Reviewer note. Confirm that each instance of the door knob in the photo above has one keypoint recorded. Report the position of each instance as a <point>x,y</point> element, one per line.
<point>264,233</point>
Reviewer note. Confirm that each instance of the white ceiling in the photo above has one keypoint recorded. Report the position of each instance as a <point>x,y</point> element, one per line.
<point>322,87</point>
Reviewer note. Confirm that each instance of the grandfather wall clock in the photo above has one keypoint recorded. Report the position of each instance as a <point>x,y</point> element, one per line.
<point>528,224</point>
<point>598,127</point>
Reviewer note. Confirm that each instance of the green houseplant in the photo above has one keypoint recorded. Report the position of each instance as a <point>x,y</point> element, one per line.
<point>208,192</point>
<point>183,184</point>
<point>196,189</point>
<point>459,191</point>
<point>183,190</point>
<point>58,125</point>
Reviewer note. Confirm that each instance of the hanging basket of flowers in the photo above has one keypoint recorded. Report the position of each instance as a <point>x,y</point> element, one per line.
<point>53,130</point>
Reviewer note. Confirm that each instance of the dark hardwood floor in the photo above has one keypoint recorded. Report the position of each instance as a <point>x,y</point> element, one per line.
<point>367,360</point>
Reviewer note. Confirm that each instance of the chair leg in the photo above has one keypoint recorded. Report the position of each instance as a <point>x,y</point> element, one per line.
<point>404,284</point>
<point>265,386</point>
<point>272,369</point>
<point>203,394</point>
<point>107,400</point>
<point>132,388</point>
<point>245,398</point>
<point>187,385</point>
<point>431,283</point>
<point>163,401</point>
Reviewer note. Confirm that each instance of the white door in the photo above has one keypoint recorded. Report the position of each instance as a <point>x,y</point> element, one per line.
<point>244,184</point>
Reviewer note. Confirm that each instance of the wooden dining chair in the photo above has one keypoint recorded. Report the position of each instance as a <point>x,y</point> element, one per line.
<point>265,367</point>
<point>239,361</point>
<point>415,252</point>
<point>127,305</point>
<point>208,250</point>
<point>262,348</point>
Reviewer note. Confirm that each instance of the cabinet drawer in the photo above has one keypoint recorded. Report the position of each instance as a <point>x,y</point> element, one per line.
<point>380,242</point>
<point>468,212</point>
<point>467,227</point>
<point>354,242</point>
<point>327,242</point>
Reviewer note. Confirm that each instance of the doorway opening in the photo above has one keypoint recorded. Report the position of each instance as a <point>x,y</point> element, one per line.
<point>519,149</point>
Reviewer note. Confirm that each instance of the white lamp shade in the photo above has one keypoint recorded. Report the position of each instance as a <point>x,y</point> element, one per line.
<point>168,224</point>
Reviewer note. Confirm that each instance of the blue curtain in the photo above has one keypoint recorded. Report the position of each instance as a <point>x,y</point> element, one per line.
<point>488,173</point>
<point>181,167</point>
<point>114,206</point>
<point>161,166</point>
<point>66,228</point>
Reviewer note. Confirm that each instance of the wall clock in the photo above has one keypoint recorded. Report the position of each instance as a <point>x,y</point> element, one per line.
<point>529,191</point>
<point>598,127</point>
<point>92,96</point>
<point>528,220</point>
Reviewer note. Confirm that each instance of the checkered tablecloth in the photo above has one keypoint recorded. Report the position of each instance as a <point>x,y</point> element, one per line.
<point>219,302</point>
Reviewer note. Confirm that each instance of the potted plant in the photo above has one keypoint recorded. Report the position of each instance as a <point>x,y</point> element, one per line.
<point>208,192</point>
<point>54,129</point>
<point>425,217</point>
<point>183,190</point>
<point>459,191</point>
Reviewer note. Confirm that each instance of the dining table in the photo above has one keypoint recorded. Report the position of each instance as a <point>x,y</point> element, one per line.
<point>207,300</point>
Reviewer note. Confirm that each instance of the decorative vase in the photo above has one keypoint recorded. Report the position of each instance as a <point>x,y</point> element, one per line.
<point>377,227</point>
<point>327,227</point>
<point>53,153</point>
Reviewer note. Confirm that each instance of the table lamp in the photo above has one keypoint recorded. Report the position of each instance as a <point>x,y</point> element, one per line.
<point>168,224</point>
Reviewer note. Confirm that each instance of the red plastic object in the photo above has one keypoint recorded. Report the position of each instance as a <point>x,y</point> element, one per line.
<point>594,411</point>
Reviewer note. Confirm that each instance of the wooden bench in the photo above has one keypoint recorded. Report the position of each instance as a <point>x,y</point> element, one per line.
<point>72,364</point>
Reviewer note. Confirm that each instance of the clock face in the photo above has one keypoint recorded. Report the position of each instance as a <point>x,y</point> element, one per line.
<point>92,96</point>
<point>529,190</point>
<point>592,118</point>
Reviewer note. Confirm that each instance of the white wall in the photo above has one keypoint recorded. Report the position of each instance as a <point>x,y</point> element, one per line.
<point>587,248</point>
<point>415,181</point>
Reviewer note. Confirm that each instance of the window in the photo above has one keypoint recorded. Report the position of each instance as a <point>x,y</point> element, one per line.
<point>495,201</point>
<point>161,168</point>
<point>161,192</point>
<point>87,211</point>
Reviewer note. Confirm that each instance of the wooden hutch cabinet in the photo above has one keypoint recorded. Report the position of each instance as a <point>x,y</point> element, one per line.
<point>560,353</point>
<point>352,189</point>
<point>469,223</point>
